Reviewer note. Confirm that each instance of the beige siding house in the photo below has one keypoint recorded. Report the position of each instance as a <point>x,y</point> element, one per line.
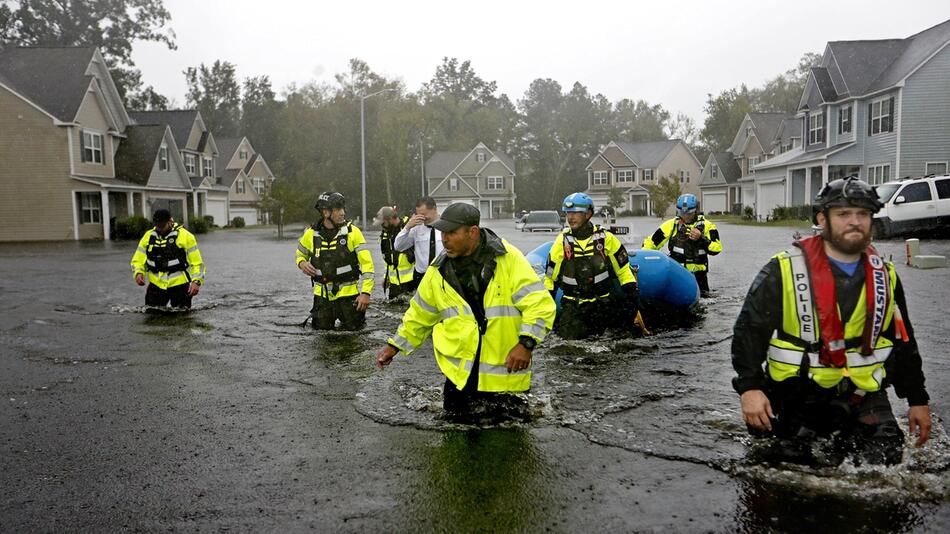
<point>480,177</point>
<point>631,166</point>
<point>62,125</point>
<point>247,176</point>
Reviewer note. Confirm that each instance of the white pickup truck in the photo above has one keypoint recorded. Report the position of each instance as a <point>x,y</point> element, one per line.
<point>913,205</point>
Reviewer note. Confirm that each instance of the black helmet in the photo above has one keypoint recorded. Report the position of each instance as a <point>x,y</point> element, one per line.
<point>329,200</point>
<point>850,191</point>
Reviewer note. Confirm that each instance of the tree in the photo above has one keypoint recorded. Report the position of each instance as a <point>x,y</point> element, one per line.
<point>615,199</point>
<point>147,100</point>
<point>663,194</point>
<point>724,114</point>
<point>638,121</point>
<point>110,25</point>
<point>215,93</point>
<point>260,116</point>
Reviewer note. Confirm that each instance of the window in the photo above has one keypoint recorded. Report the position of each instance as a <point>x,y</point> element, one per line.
<point>816,128</point>
<point>242,154</point>
<point>625,176</point>
<point>496,182</point>
<point>919,192</point>
<point>208,167</point>
<point>91,147</point>
<point>687,176</point>
<point>881,116</point>
<point>239,185</point>
<point>191,163</point>
<point>714,171</point>
<point>163,158</point>
<point>943,188</point>
<point>453,184</point>
<point>753,161</point>
<point>647,174</point>
<point>844,119</point>
<point>90,208</point>
<point>879,174</point>
<point>258,184</point>
<point>936,167</point>
<point>601,178</point>
<point>480,157</point>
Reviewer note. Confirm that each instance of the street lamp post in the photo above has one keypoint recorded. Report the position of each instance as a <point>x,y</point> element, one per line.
<point>363,149</point>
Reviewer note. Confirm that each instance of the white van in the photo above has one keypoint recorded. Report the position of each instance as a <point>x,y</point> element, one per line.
<point>913,204</point>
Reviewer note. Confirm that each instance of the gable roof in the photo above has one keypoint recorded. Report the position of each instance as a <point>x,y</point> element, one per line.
<point>179,120</point>
<point>227,146</point>
<point>728,168</point>
<point>136,155</point>
<point>53,78</point>
<point>440,164</point>
<point>766,126</point>
<point>825,86</point>
<point>229,175</point>
<point>647,155</point>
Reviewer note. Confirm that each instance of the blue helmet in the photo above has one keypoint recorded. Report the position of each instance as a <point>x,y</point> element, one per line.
<point>577,202</point>
<point>686,203</point>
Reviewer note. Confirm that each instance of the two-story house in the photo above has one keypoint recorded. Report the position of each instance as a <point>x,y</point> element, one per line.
<point>630,166</point>
<point>247,176</point>
<point>719,183</point>
<point>877,109</point>
<point>481,177</point>
<point>62,128</point>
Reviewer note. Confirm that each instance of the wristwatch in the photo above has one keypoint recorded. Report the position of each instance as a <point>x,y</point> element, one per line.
<point>527,342</point>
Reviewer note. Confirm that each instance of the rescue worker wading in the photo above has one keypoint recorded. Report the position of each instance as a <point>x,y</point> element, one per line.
<point>486,311</point>
<point>583,262</point>
<point>830,320</point>
<point>334,255</point>
<point>400,266</point>
<point>168,256</point>
<point>691,239</point>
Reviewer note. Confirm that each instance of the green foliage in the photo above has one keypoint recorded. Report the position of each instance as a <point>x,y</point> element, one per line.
<point>615,198</point>
<point>198,225</point>
<point>792,213</point>
<point>663,194</point>
<point>133,227</point>
<point>209,219</point>
<point>214,91</point>
<point>112,26</point>
<point>748,213</point>
<point>237,222</point>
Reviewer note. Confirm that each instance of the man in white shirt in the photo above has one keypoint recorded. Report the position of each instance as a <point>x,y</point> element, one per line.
<point>420,236</point>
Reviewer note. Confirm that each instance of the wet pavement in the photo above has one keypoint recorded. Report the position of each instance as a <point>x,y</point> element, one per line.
<point>233,417</point>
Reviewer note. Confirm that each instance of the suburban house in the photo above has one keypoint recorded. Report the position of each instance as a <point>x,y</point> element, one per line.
<point>480,177</point>
<point>246,175</point>
<point>198,151</point>
<point>631,166</point>
<point>67,143</point>
<point>719,183</point>
<point>877,109</point>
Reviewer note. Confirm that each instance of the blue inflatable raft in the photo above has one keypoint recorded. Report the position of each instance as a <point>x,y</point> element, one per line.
<point>663,282</point>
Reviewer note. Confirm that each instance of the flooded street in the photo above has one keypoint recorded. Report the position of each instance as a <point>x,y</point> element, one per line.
<point>233,417</point>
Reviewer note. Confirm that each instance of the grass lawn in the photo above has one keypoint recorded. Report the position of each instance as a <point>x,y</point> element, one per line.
<point>735,219</point>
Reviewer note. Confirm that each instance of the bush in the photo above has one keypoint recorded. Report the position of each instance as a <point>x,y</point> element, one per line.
<point>237,222</point>
<point>792,213</point>
<point>198,225</point>
<point>633,213</point>
<point>209,219</point>
<point>132,227</point>
<point>748,213</point>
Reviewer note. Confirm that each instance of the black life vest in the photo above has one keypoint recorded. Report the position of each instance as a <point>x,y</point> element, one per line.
<point>333,259</point>
<point>586,273</point>
<point>163,255</point>
<point>386,240</point>
<point>685,250</point>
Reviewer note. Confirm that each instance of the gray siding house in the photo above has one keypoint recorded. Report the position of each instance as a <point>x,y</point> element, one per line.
<point>877,109</point>
<point>719,183</point>
<point>480,177</point>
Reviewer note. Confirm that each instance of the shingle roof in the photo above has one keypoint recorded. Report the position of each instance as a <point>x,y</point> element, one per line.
<point>136,155</point>
<point>825,85</point>
<point>648,155</point>
<point>227,146</point>
<point>440,164</point>
<point>180,121</point>
<point>766,126</point>
<point>229,175</point>
<point>728,168</point>
<point>54,78</point>
<point>250,163</point>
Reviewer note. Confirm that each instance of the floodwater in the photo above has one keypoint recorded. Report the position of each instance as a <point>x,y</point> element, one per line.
<point>233,417</point>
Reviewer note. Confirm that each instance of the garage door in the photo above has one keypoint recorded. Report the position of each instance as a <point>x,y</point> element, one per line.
<point>714,202</point>
<point>770,196</point>
<point>218,209</point>
<point>250,215</point>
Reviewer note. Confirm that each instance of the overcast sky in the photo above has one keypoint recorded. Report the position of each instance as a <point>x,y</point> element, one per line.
<point>667,52</point>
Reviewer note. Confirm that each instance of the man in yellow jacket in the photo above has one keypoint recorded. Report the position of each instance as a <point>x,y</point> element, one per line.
<point>333,253</point>
<point>486,311</point>
<point>691,239</point>
<point>168,259</point>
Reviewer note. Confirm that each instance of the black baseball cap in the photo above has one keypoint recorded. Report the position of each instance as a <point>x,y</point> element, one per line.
<point>456,215</point>
<point>161,216</point>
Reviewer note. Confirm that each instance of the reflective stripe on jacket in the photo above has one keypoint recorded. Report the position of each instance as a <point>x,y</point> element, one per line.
<point>585,276</point>
<point>516,304</point>
<point>344,263</point>
<point>800,333</point>
<point>194,268</point>
<point>692,254</point>
<point>400,266</point>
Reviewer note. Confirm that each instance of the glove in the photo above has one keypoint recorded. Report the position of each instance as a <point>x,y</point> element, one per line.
<point>632,293</point>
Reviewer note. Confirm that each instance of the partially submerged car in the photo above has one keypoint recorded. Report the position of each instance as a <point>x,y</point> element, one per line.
<point>542,221</point>
<point>913,205</point>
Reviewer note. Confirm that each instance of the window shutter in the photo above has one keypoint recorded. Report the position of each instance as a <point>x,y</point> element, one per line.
<point>870,111</point>
<point>82,146</point>
<point>890,125</point>
<point>840,120</point>
<point>825,121</point>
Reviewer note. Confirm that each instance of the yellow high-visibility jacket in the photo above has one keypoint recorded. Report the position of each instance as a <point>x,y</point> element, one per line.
<point>344,263</point>
<point>170,260</point>
<point>516,304</point>
<point>694,255</point>
<point>600,265</point>
<point>400,266</point>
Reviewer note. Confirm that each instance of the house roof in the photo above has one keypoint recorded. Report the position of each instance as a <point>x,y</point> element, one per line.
<point>648,155</point>
<point>250,163</point>
<point>136,155</point>
<point>825,86</point>
<point>440,164</point>
<point>797,155</point>
<point>728,168</point>
<point>227,146</point>
<point>180,121</point>
<point>229,175</point>
<point>53,78</point>
<point>766,126</point>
